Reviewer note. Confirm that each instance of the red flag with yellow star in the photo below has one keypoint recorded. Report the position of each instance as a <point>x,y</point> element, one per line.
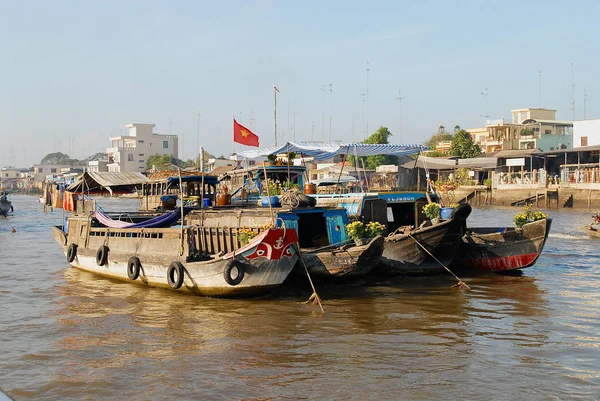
<point>243,135</point>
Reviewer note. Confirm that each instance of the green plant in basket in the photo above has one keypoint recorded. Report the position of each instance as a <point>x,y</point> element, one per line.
<point>374,228</point>
<point>245,235</point>
<point>274,187</point>
<point>528,216</point>
<point>432,210</point>
<point>356,230</point>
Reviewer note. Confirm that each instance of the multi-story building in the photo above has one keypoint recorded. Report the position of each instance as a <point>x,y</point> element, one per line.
<point>529,129</point>
<point>100,166</point>
<point>586,133</point>
<point>130,153</point>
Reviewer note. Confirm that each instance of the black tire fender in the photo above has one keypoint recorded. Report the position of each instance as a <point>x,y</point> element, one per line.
<point>175,275</point>
<point>102,255</point>
<point>71,252</point>
<point>133,267</point>
<point>231,265</point>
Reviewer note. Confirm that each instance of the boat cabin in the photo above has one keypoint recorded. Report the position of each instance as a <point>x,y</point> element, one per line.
<point>248,183</point>
<point>163,194</point>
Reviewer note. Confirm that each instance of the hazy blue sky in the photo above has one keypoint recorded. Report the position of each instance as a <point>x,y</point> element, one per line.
<point>82,69</point>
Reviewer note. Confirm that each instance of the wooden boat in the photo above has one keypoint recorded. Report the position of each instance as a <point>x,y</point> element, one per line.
<point>414,252</point>
<point>326,250</point>
<point>501,249</point>
<point>592,232</point>
<point>192,259</point>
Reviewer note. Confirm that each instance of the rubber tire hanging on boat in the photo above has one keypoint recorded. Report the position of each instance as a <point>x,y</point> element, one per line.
<point>234,264</point>
<point>71,252</point>
<point>133,267</point>
<point>175,275</point>
<point>102,255</point>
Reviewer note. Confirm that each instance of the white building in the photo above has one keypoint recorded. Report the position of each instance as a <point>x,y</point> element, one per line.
<point>100,166</point>
<point>129,153</point>
<point>586,133</point>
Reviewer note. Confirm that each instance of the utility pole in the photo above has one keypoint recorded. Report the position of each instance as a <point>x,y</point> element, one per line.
<point>363,116</point>
<point>330,109</point>
<point>573,91</point>
<point>198,140</point>
<point>323,116</point>
<point>399,99</point>
<point>540,89</point>
<point>585,97</point>
<point>368,69</point>
<point>484,95</point>
<point>312,131</point>
<point>294,125</point>
<point>275,90</point>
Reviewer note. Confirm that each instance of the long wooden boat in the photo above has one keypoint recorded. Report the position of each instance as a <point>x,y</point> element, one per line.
<point>592,232</point>
<point>326,250</point>
<point>501,249</point>
<point>415,252</point>
<point>194,259</point>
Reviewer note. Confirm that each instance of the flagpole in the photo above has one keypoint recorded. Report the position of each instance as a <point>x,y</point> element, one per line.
<point>275,90</point>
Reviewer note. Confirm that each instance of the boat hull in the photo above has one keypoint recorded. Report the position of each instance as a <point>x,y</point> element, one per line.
<point>263,270</point>
<point>5,208</point>
<point>483,250</point>
<point>415,253</point>
<point>592,232</point>
<point>343,263</point>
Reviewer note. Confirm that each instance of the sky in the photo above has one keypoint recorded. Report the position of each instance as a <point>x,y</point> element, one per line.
<point>74,73</point>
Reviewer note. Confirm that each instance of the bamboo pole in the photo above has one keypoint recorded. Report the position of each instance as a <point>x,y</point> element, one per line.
<point>268,194</point>
<point>182,219</point>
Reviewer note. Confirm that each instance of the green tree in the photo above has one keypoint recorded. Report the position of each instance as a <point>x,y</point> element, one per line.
<point>440,136</point>
<point>463,146</point>
<point>58,158</point>
<point>382,135</point>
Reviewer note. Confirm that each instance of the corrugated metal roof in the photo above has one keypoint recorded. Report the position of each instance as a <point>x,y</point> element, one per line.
<point>516,153</point>
<point>96,180</point>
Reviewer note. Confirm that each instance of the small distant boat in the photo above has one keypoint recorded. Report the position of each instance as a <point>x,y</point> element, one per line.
<point>501,249</point>
<point>592,232</point>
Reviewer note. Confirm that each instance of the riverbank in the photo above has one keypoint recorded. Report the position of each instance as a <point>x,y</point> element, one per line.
<point>553,197</point>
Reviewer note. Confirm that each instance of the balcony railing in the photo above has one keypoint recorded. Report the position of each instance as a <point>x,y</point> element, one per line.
<point>520,179</point>
<point>580,175</point>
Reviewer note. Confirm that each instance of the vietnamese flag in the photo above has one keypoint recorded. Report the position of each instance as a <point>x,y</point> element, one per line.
<point>243,135</point>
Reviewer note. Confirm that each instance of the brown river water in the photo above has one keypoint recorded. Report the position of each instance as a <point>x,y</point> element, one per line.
<point>68,335</point>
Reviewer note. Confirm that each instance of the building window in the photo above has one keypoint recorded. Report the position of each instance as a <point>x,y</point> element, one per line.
<point>165,144</point>
<point>584,141</point>
<point>141,161</point>
<point>141,154</point>
<point>53,170</point>
<point>141,141</point>
<point>129,157</point>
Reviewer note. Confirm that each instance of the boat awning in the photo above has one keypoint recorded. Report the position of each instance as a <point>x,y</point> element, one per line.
<point>344,179</point>
<point>96,181</point>
<point>327,150</point>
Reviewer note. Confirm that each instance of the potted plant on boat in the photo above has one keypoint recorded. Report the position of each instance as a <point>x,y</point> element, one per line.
<point>446,212</point>
<point>432,211</point>
<point>528,216</point>
<point>362,234</point>
<point>271,190</point>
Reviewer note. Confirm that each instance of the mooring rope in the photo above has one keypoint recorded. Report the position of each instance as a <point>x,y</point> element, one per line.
<point>314,296</point>
<point>460,282</point>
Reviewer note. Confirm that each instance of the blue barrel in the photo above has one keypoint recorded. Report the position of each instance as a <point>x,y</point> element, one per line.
<point>206,202</point>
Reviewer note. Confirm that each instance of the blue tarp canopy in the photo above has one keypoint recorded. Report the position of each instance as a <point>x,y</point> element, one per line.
<point>327,150</point>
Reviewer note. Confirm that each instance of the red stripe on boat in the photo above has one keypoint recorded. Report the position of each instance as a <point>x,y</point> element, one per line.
<point>501,263</point>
